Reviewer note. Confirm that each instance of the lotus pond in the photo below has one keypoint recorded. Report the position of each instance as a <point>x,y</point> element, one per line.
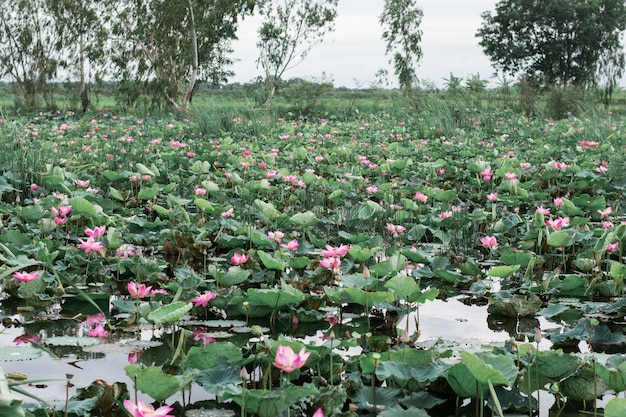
<point>381,266</point>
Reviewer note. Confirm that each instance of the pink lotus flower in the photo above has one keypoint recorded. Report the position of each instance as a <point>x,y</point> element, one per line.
<point>26,276</point>
<point>445,215</point>
<point>558,223</point>
<point>203,299</point>
<point>525,165</point>
<point>98,332</point>
<point>332,252</point>
<point>560,165</point>
<point>276,235</point>
<point>94,319</point>
<point>318,413</point>
<point>201,334</point>
<point>291,245</point>
<point>125,251</point>
<point>82,183</point>
<point>134,356</point>
<point>61,211</point>
<point>138,291</point>
<point>142,410</point>
<point>441,171</point>
<point>489,242</point>
<point>492,196</point>
<point>558,202</point>
<point>288,361</point>
<point>544,211</point>
<point>486,174</point>
<point>96,232</point>
<point>229,213</point>
<point>605,213</point>
<point>90,245</point>
<point>200,191</point>
<point>26,339</point>
<point>60,220</point>
<point>372,189</point>
<point>510,175</point>
<point>34,187</point>
<point>612,247</point>
<point>422,198</point>
<point>239,259</point>
<point>333,263</point>
<point>395,229</point>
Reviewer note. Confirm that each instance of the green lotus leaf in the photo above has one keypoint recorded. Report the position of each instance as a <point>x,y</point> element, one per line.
<point>584,386</point>
<point>169,313</point>
<point>154,382</point>
<point>616,407</point>
<point>397,411</point>
<point>498,369</point>
<point>206,357</point>
<point>271,262</point>
<point>270,403</point>
<point>81,205</point>
<point>503,271</point>
<point>215,378</point>
<point>305,219</point>
<point>234,276</point>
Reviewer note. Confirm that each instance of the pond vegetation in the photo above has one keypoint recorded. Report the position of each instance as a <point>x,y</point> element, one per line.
<point>280,267</point>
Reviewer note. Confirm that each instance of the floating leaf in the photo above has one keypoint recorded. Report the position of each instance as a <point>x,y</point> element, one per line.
<point>14,353</point>
<point>72,341</point>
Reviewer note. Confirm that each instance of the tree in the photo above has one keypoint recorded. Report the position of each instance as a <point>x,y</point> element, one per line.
<point>81,40</point>
<point>170,44</point>
<point>289,32</point>
<point>28,52</point>
<point>401,20</point>
<point>556,42</point>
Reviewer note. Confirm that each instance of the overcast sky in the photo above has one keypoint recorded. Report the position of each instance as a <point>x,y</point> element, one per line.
<point>354,52</point>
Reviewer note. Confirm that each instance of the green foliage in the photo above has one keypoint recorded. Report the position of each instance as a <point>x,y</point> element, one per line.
<point>291,28</point>
<point>556,42</point>
<point>401,22</point>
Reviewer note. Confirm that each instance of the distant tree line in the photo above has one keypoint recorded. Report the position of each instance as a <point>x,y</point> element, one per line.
<point>162,49</point>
